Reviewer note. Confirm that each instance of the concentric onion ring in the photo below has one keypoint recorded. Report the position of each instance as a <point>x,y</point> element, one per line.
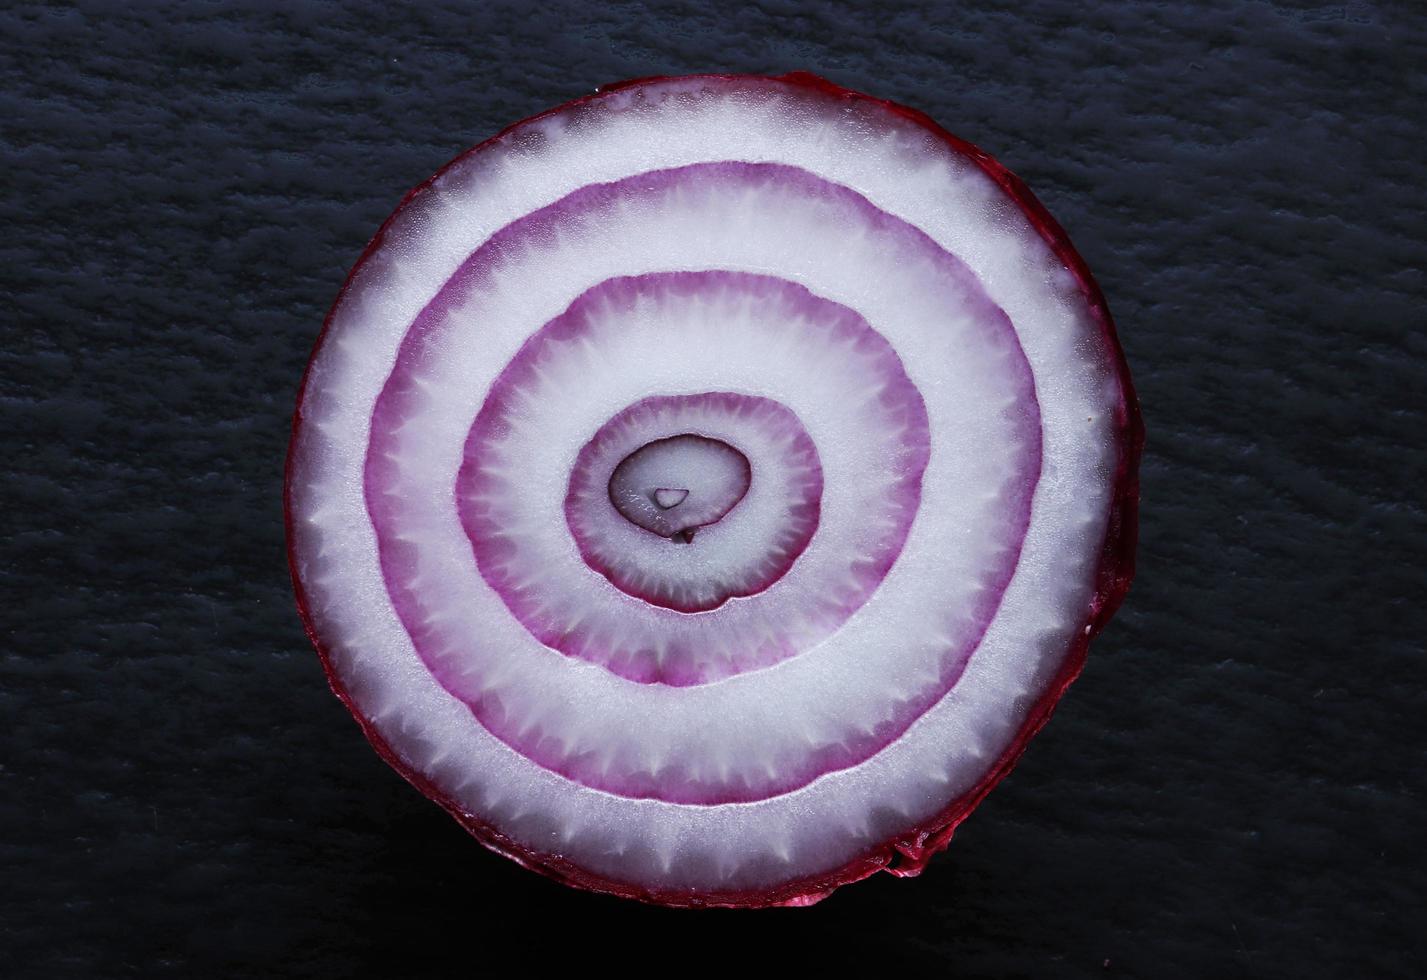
<point>703,490</point>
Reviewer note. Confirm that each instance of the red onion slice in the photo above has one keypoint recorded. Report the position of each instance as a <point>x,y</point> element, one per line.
<point>704,490</point>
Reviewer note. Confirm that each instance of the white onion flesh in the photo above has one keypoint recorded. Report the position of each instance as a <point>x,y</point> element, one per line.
<point>843,650</point>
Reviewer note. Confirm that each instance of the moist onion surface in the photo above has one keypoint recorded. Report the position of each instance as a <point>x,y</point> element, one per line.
<point>704,489</point>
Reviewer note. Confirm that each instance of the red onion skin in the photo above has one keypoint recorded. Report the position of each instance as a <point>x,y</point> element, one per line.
<point>909,853</point>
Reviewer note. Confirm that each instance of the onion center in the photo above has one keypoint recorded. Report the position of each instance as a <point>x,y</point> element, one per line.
<point>672,487</point>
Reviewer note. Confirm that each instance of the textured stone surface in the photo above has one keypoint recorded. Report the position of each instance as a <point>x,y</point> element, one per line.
<point>1234,786</point>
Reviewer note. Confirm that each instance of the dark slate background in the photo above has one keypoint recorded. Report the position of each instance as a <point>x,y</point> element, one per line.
<point>1232,789</point>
